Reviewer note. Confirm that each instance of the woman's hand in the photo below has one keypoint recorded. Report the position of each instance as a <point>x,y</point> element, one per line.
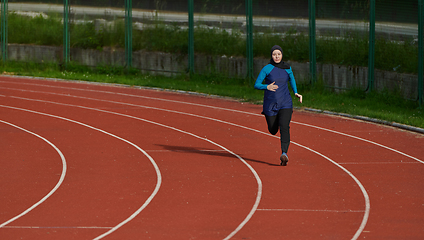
<point>299,96</point>
<point>272,87</point>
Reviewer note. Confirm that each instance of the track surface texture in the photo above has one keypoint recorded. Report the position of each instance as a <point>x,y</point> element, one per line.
<point>96,161</point>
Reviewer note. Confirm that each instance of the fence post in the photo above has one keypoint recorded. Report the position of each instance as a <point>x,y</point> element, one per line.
<point>190,37</point>
<point>128,33</point>
<point>371,53</point>
<point>420,52</point>
<point>312,42</point>
<point>4,29</point>
<point>249,39</point>
<point>66,32</point>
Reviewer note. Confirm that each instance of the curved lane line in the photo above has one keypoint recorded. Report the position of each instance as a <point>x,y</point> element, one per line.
<point>362,139</point>
<point>159,176</point>
<point>367,203</point>
<point>258,180</point>
<point>366,197</point>
<point>364,192</point>
<point>62,175</point>
<point>199,105</point>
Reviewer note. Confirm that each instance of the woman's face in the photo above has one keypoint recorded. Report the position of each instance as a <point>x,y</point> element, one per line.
<point>276,56</point>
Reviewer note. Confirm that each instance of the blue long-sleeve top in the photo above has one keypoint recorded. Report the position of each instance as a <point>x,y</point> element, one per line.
<point>281,98</point>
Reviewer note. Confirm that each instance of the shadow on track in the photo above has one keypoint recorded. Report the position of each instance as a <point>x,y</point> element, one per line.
<point>210,152</point>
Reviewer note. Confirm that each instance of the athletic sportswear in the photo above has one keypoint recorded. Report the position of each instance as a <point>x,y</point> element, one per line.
<point>281,98</point>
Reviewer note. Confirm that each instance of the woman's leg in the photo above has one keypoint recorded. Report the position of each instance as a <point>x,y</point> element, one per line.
<point>272,122</point>
<point>284,118</point>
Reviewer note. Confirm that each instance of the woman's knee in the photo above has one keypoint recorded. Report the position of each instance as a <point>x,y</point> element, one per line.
<point>273,131</point>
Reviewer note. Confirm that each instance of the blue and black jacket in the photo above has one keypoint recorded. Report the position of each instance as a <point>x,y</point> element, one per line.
<point>281,98</point>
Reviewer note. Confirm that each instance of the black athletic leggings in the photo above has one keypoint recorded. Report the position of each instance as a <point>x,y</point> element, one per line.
<point>281,121</point>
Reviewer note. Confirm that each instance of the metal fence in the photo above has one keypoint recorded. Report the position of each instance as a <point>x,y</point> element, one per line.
<point>197,36</point>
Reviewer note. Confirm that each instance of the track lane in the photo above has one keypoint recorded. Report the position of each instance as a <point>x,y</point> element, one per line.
<point>353,127</point>
<point>366,131</point>
<point>68,200</point>
<point>20,184</point>
<point>232,192</point>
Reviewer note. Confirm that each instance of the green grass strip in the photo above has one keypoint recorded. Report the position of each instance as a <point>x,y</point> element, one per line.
<point>384,105</point>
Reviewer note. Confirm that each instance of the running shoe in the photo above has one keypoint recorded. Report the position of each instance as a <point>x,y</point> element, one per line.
<point>284,159</point>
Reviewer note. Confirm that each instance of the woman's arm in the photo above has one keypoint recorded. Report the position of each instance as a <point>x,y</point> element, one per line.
<point>293,85</point>
<point>258,84</point>
<point>292,80</point>
<point>261,77</point>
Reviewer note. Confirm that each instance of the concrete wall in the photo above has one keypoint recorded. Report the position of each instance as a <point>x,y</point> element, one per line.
<point>21,52</point>
<point>168,64</point>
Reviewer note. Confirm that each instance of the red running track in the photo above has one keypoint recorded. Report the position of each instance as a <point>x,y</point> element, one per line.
<point>96,161</point>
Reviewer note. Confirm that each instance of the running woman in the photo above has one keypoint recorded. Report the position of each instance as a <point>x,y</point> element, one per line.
<point>277,103</point>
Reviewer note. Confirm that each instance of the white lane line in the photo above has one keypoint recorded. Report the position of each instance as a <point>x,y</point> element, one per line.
<point>62,175</point>
<point>371,163</point>
<point>258,180</point>
<point>50,227</point>
<point>366,197</point>
<point>195,104</point>
<point>312,210</point>
<point>233,110</point>
<point>127,95</point>
<point>364,140</point>
<point>158,174</point>
<point>364,192</point>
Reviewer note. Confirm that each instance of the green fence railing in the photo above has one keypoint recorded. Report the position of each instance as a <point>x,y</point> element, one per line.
<point>249,39</point>
<point>316,11</point>
<point>66,37</point>
<point>4,29</point>
<point>420,51</point>
<point>128,33</point>
<point>371,51</point>
<point>312,42</point>
<point>190,36</point>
